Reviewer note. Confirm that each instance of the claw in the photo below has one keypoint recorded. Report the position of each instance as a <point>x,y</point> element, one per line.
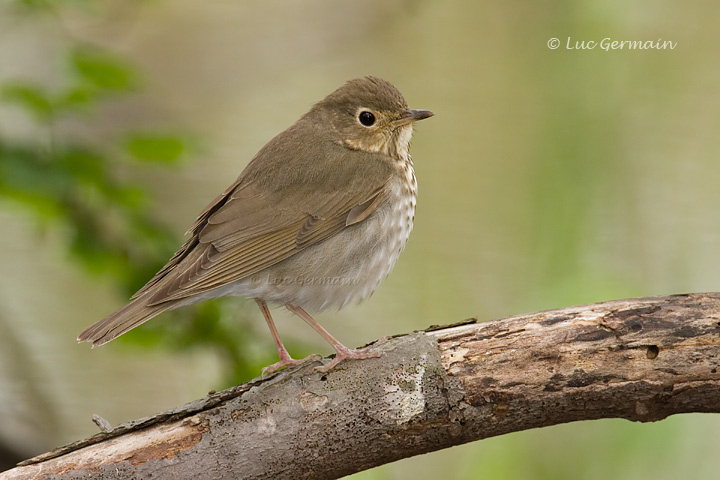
<point>288,362</point>
<point>346,354</point>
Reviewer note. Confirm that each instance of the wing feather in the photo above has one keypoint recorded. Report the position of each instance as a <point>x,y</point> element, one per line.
<point>255,223</point>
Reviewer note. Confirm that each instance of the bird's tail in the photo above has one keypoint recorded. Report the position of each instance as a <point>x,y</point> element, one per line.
<point>128,317</point>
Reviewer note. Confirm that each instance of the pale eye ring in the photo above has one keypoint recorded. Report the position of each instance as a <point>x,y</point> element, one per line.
<point>366,118</point>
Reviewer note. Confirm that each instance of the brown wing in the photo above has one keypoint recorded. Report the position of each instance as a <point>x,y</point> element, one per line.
<point>254,225</point>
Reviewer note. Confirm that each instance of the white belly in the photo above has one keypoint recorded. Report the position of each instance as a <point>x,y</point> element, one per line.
<point>346,267</point>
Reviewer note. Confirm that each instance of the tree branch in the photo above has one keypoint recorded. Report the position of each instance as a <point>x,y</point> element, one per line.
<point>641,359</point>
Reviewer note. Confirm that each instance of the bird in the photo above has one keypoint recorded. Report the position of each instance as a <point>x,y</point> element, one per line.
<point>315,221</point>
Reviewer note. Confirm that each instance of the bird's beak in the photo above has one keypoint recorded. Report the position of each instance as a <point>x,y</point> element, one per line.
<point>412,116</point>
<point>419,114</point>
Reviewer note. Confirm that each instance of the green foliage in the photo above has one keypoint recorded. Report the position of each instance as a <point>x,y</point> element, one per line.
<point>95,75</point>
<point>38,4</point>
<point>76,186</point>
<point>32,98</point>
<point>155,148</point>
<point>102,71</point>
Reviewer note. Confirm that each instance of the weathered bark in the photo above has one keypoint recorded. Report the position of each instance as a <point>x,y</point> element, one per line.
<point>640,359</point>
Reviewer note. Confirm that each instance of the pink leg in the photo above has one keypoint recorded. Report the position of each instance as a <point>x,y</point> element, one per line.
<point>285,359</point>
<point>341,351</point>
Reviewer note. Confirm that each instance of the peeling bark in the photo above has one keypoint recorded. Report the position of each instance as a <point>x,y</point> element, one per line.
<point>640,359</point>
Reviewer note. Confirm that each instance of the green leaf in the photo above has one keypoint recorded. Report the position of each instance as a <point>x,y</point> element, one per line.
<point>82,164</point>
<point>30,97</point>
<point>76,98</point>
<point>35,4</point>
<point>45,106</point>
<point>146,147</point>
<point>131,197</point>
<point>35,173</point>
<point>102,70</point>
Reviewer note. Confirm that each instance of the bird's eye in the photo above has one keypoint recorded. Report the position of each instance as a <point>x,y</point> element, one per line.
<point>366,118</point>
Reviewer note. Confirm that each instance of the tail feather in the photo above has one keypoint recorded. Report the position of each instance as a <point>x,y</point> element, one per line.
<point>128,317</point>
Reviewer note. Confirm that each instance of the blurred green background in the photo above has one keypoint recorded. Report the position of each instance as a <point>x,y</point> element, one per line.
<point>547,178</point>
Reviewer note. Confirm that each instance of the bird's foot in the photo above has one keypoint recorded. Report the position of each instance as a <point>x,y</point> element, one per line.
<point>287,361</point>
<point>347,354</point>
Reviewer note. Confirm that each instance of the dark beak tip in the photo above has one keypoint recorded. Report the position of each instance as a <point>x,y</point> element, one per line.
<point>420,114</point>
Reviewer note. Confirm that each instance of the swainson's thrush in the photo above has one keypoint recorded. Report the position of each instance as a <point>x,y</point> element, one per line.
<point>317,219</point>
